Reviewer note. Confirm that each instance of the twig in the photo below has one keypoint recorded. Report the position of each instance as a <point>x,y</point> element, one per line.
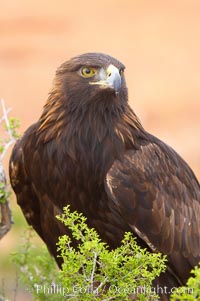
<point>5,116</point>
<point>7,112</point>
<point>5,212</point>
<point>6,219</point>
<point>6,147</point>
<point>93,270</point>
<point>8,130</point>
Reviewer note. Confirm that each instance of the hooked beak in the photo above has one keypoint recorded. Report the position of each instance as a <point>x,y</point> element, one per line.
<point>109,78</point>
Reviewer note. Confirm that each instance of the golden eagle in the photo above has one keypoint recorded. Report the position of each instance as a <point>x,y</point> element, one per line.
<point>88,149</point>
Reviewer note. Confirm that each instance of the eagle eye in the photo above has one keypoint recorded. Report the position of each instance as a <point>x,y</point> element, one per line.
<point>88,71</point>
<point>121,71</point>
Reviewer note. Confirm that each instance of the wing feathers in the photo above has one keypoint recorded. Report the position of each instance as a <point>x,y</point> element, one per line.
<point>159,197</point>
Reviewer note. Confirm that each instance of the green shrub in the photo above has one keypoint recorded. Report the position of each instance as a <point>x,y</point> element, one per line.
<point>190,292</point>
<point>90,272</point>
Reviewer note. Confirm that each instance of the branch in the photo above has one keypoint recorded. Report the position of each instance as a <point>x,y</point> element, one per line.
<point>5,117</point>
<point>93,271</point>
<point>6,219</point>
<point>7,112</point>
<point>11,139</point>
<point>5,212</point>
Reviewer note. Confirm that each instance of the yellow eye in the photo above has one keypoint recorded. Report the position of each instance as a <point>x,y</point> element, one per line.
<point>88,71</point>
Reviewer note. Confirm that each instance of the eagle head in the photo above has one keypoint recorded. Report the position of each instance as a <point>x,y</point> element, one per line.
<point>92,78</point>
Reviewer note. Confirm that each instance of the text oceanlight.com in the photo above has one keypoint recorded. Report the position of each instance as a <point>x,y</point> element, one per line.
<point>56,289</point>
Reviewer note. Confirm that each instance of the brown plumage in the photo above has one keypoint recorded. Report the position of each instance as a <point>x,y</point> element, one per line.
<point>89,150</point>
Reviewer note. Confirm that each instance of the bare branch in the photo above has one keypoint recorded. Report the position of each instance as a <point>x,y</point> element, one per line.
<point>7,112</point>
<point>5,212</point>
<point>93,271</point>
<point>5,116</point>
<point>6,147</point>
<point>6,219</point>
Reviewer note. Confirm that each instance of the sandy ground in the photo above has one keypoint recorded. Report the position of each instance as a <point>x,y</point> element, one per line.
<point>158,41</point>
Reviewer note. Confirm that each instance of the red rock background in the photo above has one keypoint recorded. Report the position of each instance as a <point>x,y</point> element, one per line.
<point>158,41</point>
